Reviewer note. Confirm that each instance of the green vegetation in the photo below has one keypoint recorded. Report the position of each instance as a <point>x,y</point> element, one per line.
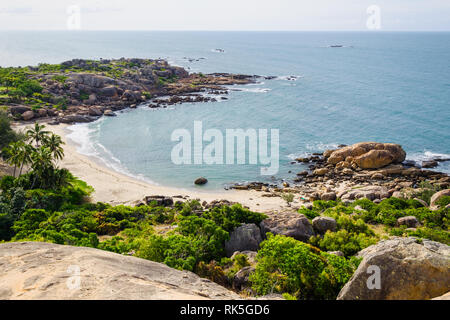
<point>18,86</point>
<point>352,234</point>
<point>288,197</point>
<point>286,265</point>
<point>357,221</point>
<point>25,85</point>
<point>39,151</point>
<point>426,191</point>
<point>443,201</point>
<point>84,95</point>
<point>147,95</point>
<point>47,204</point>
<point>42,202</point>
<point>60,78</point>
<point>7,135</point>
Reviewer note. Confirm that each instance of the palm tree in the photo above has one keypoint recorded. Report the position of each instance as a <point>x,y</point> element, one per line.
<point>37,134</point>
<point>26,150</point>
<point>13,151</point>
<point>42,166</point>
<point>54,142</point>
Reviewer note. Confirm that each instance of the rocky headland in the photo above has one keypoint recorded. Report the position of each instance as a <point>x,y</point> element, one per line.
<point>83,90</point>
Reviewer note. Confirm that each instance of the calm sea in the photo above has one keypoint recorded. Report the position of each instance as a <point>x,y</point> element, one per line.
<point>387,87</point>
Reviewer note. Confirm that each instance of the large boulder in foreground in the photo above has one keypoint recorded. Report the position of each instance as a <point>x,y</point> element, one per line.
<point>410,269</point>
<point>246,237</point>
<point>35,270</point>
<point>368,155</point>
<point>292,225</point>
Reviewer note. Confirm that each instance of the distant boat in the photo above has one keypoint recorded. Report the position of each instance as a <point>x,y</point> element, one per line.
<point>219,50</point>
<point>336,46</point>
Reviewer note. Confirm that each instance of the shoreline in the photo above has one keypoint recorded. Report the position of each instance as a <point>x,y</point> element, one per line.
<point>116,188</point>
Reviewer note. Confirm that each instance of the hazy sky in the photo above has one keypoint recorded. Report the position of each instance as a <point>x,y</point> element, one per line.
<point>224,15</point>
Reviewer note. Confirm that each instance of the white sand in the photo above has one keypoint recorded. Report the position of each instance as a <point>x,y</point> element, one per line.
<point>117,188</point>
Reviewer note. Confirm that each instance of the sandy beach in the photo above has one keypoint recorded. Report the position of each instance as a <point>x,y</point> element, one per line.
<point>117,188</point>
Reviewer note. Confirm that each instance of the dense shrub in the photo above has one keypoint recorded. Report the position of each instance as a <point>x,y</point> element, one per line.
<point>426,191</point>
<point>7,135</point>
<point>230,217</point>
<point>352,235</point>
<point>286,265</point>
<point>349,243</point>
<point>197,239</point>
<point>443,201</point>
<point>29,87</point>
<point>389,210</point>
<point>6,222</point>
<point>213,272</point>
<point>321,207</point>
<point>434,234</point>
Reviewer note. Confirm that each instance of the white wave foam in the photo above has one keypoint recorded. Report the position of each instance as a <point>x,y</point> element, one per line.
<point>313,147</point>
<point>254,90</point>
<point>83,135</point>
<point>427,155</point>
<point>289,78</point>
<point>111,156</point>
<point>321,146</point>
<point>294,156</point>
<point>257,83</point>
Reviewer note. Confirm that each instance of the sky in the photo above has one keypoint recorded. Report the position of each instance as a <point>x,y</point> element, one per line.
<point>233,15</point>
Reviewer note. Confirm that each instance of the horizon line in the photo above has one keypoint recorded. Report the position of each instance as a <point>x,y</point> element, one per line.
<point>165,30</point>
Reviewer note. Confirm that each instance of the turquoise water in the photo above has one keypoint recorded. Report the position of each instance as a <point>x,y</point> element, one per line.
<point>388,87</point>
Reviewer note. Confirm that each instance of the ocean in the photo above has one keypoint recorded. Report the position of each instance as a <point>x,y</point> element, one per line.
<point>377,86</point>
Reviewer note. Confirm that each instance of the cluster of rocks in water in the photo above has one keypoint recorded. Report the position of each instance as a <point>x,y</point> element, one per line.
<point>89,92</point>
<point>364,170</point>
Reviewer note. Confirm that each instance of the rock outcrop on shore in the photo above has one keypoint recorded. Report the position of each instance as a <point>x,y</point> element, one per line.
<point>367,155</point>
<point>82,90</point>
<point>409,269</point>
<point>35,270</point>
<point>371,170</point>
